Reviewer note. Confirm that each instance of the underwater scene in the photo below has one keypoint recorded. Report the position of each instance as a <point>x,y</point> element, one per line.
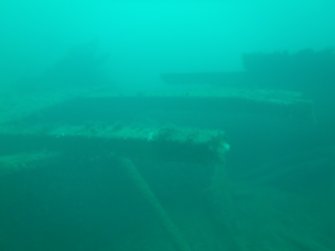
<point>188,125</point>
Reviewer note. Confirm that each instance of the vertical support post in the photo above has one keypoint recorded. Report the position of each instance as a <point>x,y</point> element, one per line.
<point>166,222</point>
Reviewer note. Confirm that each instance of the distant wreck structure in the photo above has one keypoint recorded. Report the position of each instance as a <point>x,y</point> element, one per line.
<point>81,65</point>
<point>301,71</point>
<point>307,74</point>
<point>306,70</point>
